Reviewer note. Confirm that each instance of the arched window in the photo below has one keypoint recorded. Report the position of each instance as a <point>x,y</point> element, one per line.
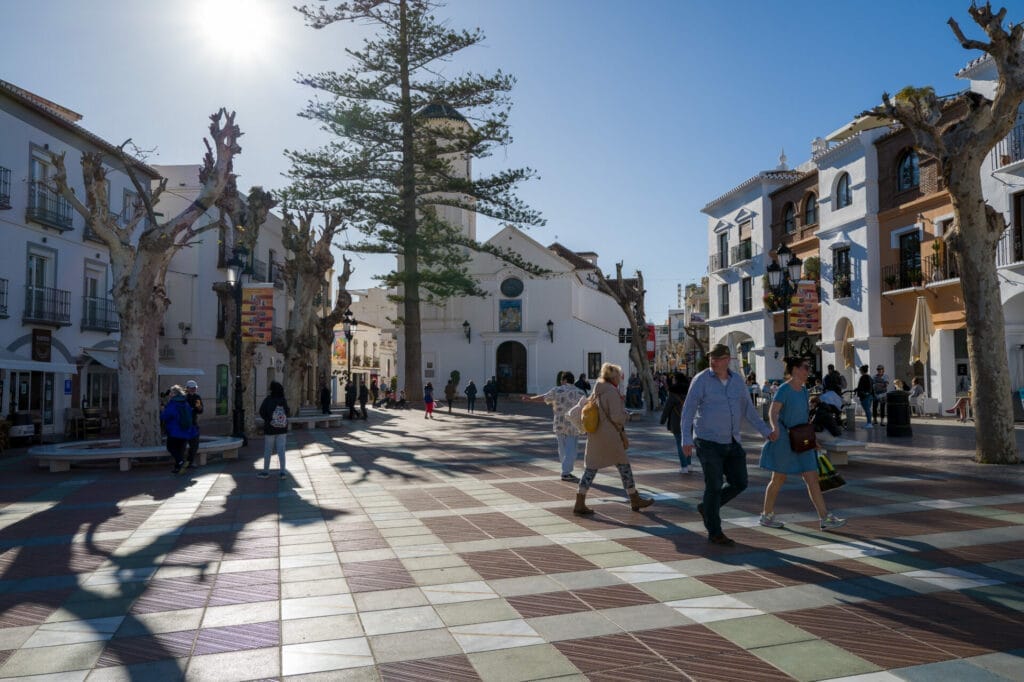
<point>811,210</point>
<point>789,218</point>
<point>907,173</point>
<point>844,196</point>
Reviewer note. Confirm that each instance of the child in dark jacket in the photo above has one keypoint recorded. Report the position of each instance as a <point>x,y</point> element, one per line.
<point>275,428</point>
<point>177,420</point>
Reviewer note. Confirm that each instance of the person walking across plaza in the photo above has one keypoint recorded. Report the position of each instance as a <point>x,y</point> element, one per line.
<point>275,412</point>
<point>491,395</point>
<point>177,420</point>
<point>325,399</point>
<point>865,394</point>
<point>563,398</point>
<point>428,401</point>
<point>606,446</point>
<point>789,408</point>
<point>195,401</point>
<point>471,397</point>
<point>350,399</point>
<point>449,394</point>
<point>880,386</point>
<point>713,412</point>
<point>364,395</point>
<point>583,384</point>
<point>672,416</point>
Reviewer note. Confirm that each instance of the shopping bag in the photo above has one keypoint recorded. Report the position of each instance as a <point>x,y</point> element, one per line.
<point>828,477</point>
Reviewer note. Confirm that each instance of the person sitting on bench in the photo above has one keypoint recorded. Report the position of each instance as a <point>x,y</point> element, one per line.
<point>825,418</point>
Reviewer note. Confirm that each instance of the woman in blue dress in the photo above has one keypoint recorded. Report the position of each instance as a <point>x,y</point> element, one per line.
<point>789,408</point>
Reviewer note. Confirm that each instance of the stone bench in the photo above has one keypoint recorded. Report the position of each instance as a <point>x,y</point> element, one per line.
<point>634,414</point>
<point>310,421</point>
<point>60,456</point>
<point>838,449</point>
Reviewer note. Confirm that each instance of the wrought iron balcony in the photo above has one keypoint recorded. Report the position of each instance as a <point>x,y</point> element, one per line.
<point>99,314</point>
<point>1010,149</point>
<point>1010,248</point>
<point>46,207</point>
<point>842,285</point>
<point>5,187</point>
<point>718,261</point>
<point>741,252</point>
<point>3,298</point>
<point>46,305</point>
<point>936,268</point>
<point>902,276</point>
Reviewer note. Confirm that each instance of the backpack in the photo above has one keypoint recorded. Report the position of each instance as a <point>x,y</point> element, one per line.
<point>590,416</point>
<point>279,418</point>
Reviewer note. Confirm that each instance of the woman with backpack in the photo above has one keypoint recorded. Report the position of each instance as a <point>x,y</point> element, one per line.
<point>428,401</point>
<point>607,444</point>
<point>274,412</point>
<point>177,420</point>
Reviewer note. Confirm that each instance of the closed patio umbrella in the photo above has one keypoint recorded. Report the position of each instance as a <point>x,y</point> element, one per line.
<point>921,332</point>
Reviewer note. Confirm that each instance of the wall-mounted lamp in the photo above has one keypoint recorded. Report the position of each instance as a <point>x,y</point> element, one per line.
<point>466,330</point>
<point>551,331</point>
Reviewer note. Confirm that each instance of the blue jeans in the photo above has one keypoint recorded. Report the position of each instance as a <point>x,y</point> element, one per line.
<point>720,461</point>
<point>270,444</point>
<point>865,402</point>
<point>567,451</point>
<point>684,461</point>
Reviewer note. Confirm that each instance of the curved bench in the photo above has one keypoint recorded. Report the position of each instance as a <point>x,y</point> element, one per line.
<point>60,456</point>
<point>838,449</point>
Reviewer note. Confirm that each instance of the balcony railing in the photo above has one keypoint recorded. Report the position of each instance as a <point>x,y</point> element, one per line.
<point>3,298</point>
<point>718,261</point>
<point>259,271</point>
<point>99,314</point>
<point>741,252</point>
<point>46,207</point>
<point>1010,149</point>
<point>46,305</point>
<point>1010,248</point>
<point>937,268</point>
<point>903,276</point>
<point>5,187</point>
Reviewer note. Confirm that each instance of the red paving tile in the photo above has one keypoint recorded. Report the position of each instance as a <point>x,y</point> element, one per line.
<point>611,652</point>
<point>449,668</point>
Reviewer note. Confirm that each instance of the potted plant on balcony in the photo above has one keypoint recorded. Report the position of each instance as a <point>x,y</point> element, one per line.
<point>891,280</point>
<point>841,285</point>
<point>936,259</point>
<point>914,277</point>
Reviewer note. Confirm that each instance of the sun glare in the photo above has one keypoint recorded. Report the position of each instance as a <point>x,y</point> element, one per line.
<point>242,29</point>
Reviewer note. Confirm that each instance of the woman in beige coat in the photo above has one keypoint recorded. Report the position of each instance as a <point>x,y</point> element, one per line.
<point>604,446</point>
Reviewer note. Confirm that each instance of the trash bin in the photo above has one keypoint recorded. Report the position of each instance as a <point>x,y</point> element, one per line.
<point>851,417</point>
<point>898,409</point>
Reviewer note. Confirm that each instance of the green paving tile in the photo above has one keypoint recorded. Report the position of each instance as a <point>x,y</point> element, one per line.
<point>759,631</point>
<point>814,660</point>
<point>615,559</point>
<point>484,611</point>
<point>677,588</point>
<point>541,661</point>
<point>1010,595</point>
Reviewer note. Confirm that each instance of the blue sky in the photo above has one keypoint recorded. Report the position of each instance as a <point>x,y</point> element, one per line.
<point>635,115</point>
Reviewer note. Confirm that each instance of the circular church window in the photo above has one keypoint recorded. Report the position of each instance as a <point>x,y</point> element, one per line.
<point>512,287</point>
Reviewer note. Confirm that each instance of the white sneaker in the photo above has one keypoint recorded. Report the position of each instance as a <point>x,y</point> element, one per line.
<point>868,426</point>
<point>769,521</point>
<point>684,470</point>
<point>831,521</point>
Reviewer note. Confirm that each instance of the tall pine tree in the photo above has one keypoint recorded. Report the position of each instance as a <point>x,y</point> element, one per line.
<point>403,138</point>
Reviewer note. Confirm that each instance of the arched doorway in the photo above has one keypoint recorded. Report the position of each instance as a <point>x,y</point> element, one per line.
<point>511,367</point>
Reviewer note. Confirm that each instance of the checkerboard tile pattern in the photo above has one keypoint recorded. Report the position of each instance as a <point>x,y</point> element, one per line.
<point>417,554</point>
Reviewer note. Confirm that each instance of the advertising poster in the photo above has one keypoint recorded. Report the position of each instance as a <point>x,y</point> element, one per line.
<point>258,313</point>
<point>651,341</point>
<point>804,313</point>
<point>338,349</point>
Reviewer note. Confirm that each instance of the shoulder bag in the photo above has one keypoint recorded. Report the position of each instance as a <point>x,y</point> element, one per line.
<point>622,431</point>
<point>802,438</point>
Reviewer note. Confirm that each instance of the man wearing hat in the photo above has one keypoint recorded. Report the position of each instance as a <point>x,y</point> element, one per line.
<point>196,403</point>
<point>713,413</point>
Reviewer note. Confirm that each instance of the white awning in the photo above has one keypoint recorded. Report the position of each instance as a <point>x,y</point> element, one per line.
<point>108,358</point>
<point>9,360</point>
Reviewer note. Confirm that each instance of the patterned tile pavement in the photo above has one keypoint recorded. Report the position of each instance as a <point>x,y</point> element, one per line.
<point>399,549</point>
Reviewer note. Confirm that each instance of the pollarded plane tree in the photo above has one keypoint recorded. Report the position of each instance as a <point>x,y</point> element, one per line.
<point>959,132</point>
<point>140,251</point>
<point>403,137</point>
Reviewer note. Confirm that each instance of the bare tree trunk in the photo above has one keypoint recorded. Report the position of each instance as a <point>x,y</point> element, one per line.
<point>986,326</point>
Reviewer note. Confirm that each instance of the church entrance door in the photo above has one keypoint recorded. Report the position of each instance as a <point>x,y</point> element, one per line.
<point>511,364</point>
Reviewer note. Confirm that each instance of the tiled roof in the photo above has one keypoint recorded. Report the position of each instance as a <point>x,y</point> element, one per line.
<point>770,176</point>
<point>66,119</point>
<point>973,66</point>
<point>440,110</point>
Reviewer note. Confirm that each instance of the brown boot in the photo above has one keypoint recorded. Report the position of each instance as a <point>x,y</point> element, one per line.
<point>581,507</point>
<point>638,503</point>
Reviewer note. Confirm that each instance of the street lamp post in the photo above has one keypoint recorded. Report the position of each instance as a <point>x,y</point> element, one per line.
<point>349,326</point>
<point>782,278</point>
<point>234,271</point>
